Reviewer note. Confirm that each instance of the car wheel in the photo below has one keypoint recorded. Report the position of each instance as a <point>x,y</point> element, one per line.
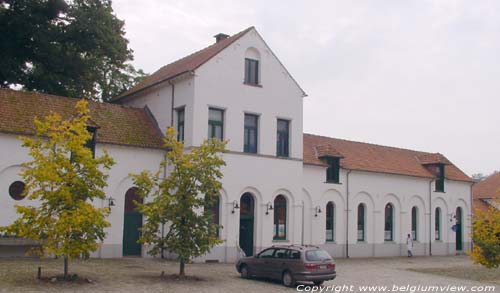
<point>318,283</point>
<point>288,279</point>
<point>244,272</point>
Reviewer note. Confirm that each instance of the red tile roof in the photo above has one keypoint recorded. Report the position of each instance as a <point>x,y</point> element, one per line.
<point>488,188</point>
<point>376,158</point>
<point>117,124</point>
<point>184,65</point>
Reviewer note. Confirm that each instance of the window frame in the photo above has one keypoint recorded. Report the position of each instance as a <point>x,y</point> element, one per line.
<point>363,224</point>
<point>212,124</point>
<point>248,78</point>
<point>247,130</point>
<point>414,223</point>
<point>440,178</point>
<point>181,124</point>
<point>330,220</point>
<point>333,170</point>
<point>283,144</point>
<point>437,224</point>
<point>391,222</point>
<point>278,207</point>
<point>91,143</point>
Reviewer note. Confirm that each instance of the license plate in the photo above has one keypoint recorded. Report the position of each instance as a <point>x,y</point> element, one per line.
<point>323,267</point>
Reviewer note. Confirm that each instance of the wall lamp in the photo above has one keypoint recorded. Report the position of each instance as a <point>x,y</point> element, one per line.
<point>111,202</point>
<point>317,211</point>
<point>235,206</point>
<point>269,207</point>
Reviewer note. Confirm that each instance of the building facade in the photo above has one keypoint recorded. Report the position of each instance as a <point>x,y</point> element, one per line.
<point>280,186</point>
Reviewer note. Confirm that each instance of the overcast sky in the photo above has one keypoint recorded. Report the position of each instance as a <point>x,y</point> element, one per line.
<point>419,74</point>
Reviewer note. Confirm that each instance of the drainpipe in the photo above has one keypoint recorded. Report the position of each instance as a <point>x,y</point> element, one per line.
<point>430,218</point>
<point>302,240</point>
<point>172,107</point>
<point>165,167</point>
<point>472,215</point>
<point>347,216</point>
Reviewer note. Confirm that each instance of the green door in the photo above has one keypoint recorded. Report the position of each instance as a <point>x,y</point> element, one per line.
<point>246,223</point>
<point>132,222</point>
<point>246,235</point>
<point>458,233</point>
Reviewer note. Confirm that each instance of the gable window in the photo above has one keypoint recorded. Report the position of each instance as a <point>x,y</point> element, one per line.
<point>333,170</point>
<point>437,224</point>
<point>330,221</point>
<point>361,222</point>
<point>279,218</point>
<point>92,141</point>
<point>215,123</point>
<point>251,71</point>
<point>180,124</point>
<point>283,133</point>
<point>440,178</point>
<point>251,133</point>
<point>389,222</point>
<point>414,223</point>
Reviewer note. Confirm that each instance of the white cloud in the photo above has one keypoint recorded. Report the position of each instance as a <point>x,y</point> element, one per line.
<point>416,74</point>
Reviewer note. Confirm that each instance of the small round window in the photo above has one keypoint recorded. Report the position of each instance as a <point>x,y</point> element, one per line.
<point>16,190</point>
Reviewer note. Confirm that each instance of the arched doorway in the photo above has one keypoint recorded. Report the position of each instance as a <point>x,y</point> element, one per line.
<point>458,233</point>
<point>247,207</point>
<point>132,222</point>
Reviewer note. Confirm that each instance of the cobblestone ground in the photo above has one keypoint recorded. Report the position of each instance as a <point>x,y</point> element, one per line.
<point>143,275</point>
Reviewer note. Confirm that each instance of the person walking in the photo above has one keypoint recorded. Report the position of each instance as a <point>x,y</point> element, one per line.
<point>409,245</point>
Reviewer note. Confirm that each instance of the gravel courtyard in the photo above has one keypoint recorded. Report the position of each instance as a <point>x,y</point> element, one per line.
<point>143,275</point>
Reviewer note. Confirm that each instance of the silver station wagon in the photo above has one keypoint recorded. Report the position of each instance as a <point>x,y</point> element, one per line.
<point>290,264</point>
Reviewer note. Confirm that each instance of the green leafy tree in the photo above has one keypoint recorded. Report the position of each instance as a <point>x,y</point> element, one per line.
<point>74,48</point>
<point>65,178</point>
<point>486,237</point>
<point>181,199</point>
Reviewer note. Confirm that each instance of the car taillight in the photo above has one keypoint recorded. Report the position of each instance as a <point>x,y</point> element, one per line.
<point>310,266</point>
<point>331,266</point>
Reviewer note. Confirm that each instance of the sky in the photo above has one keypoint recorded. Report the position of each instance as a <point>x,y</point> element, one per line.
<point>416,74</point>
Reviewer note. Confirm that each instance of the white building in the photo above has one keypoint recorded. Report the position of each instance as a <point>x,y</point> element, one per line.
<point>280,186</point>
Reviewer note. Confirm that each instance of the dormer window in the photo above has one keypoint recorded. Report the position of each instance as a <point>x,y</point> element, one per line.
<point>439,177</point>
<point>92,141</point>
<point>333,170</point>
<point>251,71</point>
<point>329,155</point>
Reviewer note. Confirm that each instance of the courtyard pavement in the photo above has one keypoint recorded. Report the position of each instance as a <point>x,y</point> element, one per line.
<point>354,275</point>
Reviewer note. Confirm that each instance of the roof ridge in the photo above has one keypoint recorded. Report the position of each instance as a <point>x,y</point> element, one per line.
<point>158,77</point>
<point>373,144</point>
<point>47,95</point>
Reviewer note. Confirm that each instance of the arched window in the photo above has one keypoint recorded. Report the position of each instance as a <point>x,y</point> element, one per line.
<point>361,222</point>
<point>279,218</point>
<point>414,223</point>
<point>330,221</point>
<point>214,208</point>
<point>389,222</point>
<point>437,224</point>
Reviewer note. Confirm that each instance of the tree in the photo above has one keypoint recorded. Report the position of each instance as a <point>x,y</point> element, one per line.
<point>74,48</point>
<point>181,199</point>
<point>486,237</point>
<point>65,178</point>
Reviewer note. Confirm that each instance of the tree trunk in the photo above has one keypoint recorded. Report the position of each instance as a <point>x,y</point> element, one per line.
<point>181,271</point>
<point>65,268</point>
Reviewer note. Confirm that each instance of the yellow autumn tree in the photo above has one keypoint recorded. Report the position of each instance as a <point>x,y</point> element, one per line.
<point>486,237</point>
<point>65,178</point>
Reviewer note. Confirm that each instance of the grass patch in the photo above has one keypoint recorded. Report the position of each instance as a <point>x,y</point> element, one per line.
<point>473,272</point>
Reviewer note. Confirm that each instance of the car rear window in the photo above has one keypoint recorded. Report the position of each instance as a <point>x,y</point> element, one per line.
<point>317,255</point>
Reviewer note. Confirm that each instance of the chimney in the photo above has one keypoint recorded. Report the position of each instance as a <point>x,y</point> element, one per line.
<point>220,36</point>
